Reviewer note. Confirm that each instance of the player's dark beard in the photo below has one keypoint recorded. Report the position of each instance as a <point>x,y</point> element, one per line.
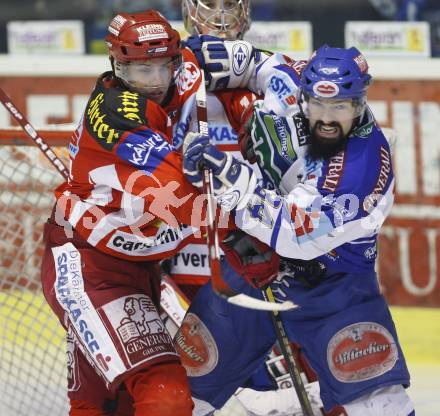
<point>322,147</point>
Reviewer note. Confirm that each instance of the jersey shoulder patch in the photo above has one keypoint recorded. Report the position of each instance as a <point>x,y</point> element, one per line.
<point>112,111</point>
<point>296,66</point>
<point>145,149</point>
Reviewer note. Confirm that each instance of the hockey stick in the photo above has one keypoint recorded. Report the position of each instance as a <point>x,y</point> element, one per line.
<point>32,133</point>
<point>287,352</point>
<point>173,301</point>
<point>59,165</point>
<point>218,282</point>
<point>219,286</point>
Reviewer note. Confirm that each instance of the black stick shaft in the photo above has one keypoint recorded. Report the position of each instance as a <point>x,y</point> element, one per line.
<point>287,352</point>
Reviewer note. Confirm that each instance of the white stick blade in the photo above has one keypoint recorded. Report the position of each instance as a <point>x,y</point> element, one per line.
<point>246,301</point>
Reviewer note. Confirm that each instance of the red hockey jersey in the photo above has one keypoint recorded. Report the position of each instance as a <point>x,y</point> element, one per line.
<point>126,194</point>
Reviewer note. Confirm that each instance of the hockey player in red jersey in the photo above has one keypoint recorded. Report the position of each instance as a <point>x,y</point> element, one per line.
<point>125,206</point>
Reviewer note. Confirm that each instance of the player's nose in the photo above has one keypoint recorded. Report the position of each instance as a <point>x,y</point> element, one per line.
<point>327,116</point>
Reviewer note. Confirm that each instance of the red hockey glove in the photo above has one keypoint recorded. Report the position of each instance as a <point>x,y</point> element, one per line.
<point>251,258</point>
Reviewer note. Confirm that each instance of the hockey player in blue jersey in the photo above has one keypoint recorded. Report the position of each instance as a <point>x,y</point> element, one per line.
<point>330,168</point>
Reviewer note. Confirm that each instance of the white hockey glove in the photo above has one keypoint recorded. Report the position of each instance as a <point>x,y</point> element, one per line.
<point>227,63</point>
<point>234,182</point>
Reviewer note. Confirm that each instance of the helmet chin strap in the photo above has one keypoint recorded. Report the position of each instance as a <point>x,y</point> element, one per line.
<point>356,122</point>
<point>168,95</point>
<point>300,100</point>
<point>112,63</point>
<point>358,119</point>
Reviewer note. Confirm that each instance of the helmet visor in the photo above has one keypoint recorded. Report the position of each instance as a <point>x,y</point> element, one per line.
<point>332,110</point>
<point>152,77</point>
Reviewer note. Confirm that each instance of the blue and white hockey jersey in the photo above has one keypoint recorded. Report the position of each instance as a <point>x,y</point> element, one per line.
<point>330,210</point>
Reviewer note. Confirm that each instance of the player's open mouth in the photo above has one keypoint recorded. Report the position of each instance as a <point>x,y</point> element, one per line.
<point>328,131</point>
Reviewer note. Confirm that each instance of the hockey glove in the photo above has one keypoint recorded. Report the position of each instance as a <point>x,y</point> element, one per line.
<point>234,182</point>
<point>251,258</point>
<point>227,64</point>
<point>244,135</point>
<point>272,144</point>
<point>205,48</point>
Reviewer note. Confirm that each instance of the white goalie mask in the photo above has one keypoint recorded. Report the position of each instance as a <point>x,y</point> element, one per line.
<point>228,19</point>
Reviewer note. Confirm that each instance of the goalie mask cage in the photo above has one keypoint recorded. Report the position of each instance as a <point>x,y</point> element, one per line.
<point>33,371</point>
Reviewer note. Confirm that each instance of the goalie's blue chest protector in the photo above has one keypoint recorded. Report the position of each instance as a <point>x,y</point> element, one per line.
<point>325,228</point>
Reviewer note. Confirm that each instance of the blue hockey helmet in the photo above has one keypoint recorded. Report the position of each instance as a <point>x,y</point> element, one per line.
<point>336,73</point>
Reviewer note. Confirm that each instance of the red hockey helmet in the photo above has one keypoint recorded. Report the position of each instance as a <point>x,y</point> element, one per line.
<point>141,36</point>
<point>145,52</point>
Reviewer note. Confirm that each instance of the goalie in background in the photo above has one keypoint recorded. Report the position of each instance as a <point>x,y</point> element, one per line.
<point>226,19</point>
<point>331,170</point>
